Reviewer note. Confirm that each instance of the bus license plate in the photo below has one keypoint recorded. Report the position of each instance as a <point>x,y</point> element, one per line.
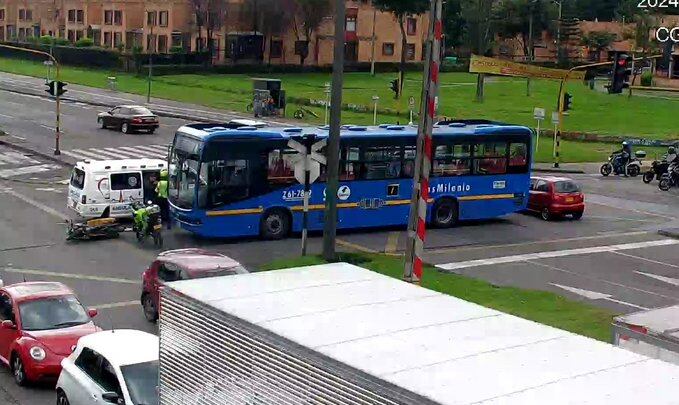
<point>157,227</point>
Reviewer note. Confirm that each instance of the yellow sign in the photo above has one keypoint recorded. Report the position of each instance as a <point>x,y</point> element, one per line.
<point>482,64</point>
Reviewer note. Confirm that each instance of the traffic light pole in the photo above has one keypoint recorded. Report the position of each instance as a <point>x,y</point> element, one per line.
<point>560,105</point>
<point>57,129</point>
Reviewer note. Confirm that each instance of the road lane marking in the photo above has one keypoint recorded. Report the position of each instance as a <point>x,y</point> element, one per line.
<point>646,260</point>
<point>355,246</point>
<point>36,204</point>
<point>601,280</point>
<point>668,280</point>
<point>6,116</point>
<point>594,295</point>
<point>554,253</point>
<point>88,154</point>
<point>536,242</point>
<point>118,305</point>
<point>653,214</point>
<point>7,173</point>
<point>70,275</point>
<point>392,242</point>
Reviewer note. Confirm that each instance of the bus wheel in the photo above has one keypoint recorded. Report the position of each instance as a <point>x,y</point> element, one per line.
<point>275,224</point>
<point>445,213</point>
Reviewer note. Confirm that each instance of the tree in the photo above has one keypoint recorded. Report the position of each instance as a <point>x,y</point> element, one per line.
<point>597,41</point>
<point>400,9</point>
<point>270,17</point>
<point>210,14</point>
<point>479,21</point>
<point>453,23</point>
<point>311,13</point>
<point>513,19</point>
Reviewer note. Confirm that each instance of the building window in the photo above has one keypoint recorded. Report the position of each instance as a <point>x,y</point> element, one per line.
<point>29,15</point>
<point>411,26</point>
<point>117,39</point>
<point>107,39</point>
<point>71,36</point>
<point>71,16</point>
<point>176,40</point>
<point>79,16</point>
<point>410,52</point>
<point>78,35</point>
<point>118,17</point>
<point>2,33</point>
<point>2,14</point>
<point>388,49</point>
<point>151,43</point>
<point>351,24</point>
<point>163,18</point>
<point>276,49</point>
<point>162,44</point>
<point>108,17</point>
<point>301,48</point>
<point>151,18</point>
<point>22,15</point>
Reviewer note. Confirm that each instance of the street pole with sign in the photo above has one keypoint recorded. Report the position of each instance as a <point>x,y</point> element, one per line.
<point>411,105</point>
<point>539,115</point>
<point>375,100</point>
<point>556,120</point>
<point>307,169</point>
<point>49,65</point>
<point>327,102</point>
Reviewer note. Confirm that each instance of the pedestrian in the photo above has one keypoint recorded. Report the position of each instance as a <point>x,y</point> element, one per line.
<point>162,193</point>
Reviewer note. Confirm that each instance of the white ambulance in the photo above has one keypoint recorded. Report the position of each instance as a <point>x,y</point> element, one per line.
<point>105,188</point>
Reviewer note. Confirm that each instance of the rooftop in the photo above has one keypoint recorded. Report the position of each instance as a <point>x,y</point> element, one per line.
<point>198,260</point>
<point>37,289</point>
<point>434,345</point>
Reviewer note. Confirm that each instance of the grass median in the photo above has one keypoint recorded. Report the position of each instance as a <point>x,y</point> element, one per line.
<point>539,306</point>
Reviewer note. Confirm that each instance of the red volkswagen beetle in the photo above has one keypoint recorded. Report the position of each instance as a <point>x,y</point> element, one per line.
<point>553,197</point>
<point>182,264</point>
<point>41,323</point>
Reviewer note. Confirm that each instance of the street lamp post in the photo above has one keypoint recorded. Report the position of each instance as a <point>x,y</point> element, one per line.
<point>150,38</point>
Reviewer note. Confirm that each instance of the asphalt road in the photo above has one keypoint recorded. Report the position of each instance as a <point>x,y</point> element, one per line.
<point>613,257</point>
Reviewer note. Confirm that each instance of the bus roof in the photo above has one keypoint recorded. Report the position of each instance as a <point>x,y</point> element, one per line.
<point>208,131</point>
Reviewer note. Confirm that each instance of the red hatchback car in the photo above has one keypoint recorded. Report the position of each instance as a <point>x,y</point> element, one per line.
<point>41,323</point>
<point>182,264</point>
<point>554,197</point>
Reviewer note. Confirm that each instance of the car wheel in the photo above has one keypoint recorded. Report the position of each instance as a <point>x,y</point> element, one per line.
<point>545,214</point>
<point>445,213</point>
<point>125,128</point>
<point>275,225</point>
<point>62,399</point>
<point>577,215</point>
<point>150,312</point>
<point>18,371</point>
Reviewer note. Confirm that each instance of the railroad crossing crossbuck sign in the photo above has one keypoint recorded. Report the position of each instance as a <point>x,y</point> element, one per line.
<point>308,158</point>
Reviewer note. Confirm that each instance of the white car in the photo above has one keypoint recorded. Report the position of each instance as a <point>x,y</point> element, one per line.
<point>113,366</point>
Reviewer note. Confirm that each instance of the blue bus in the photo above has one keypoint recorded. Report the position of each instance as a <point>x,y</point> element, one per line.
<point>234,182</point>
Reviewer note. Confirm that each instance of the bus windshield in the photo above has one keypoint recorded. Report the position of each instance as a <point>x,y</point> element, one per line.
<point>185,170</point>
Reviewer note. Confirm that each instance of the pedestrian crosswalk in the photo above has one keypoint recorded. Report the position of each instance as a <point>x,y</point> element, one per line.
<point>121,152</point>
<point>13,164</point>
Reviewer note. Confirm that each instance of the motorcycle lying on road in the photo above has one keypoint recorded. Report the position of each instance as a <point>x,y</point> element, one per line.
<point>147,222</point>
<point>670,179</point>
<point>100,228</point>
<point>658,169</point>
<point>632,168</point>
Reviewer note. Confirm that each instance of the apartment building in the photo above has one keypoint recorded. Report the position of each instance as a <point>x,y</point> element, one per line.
<point>163,26</point>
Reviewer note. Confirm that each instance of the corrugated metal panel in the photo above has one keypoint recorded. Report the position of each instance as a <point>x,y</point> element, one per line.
<point>205,358</point>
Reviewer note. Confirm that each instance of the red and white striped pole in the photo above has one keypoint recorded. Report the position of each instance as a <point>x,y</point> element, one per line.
<point>420,198</point>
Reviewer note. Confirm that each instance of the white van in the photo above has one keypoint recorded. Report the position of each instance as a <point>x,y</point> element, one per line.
<point>105,188</point>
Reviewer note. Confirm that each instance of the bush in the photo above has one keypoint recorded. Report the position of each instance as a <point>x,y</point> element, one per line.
<point>84,43</point>
<point>647,79</point>
<point>61,42</point>
<point>47,40</point>
<point>32,40</point>
<point>176,49</point>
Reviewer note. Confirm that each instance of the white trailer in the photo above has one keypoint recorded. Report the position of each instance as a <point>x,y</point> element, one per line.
<point>341,334</point>
<point>653,333</point>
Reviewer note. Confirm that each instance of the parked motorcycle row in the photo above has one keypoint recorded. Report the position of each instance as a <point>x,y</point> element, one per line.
<point>665,171</point>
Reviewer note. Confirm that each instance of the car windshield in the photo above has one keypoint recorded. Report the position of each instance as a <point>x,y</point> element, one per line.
<point>141,380</point>
<point>566,187</point>
<point>141,111</point>
<point>52,313</point>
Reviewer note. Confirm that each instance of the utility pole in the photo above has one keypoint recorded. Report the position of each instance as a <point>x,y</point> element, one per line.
<point>330,225</point>
<point>558,32</point>
<point>372,57</point>
<point>151,41</point>
<point>412,271</point>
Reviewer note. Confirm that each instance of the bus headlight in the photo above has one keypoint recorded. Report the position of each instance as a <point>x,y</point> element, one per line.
<point>37,353</point>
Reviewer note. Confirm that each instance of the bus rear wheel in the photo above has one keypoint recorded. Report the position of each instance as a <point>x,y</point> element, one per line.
<point>275,225</point>
<point>445,213</point>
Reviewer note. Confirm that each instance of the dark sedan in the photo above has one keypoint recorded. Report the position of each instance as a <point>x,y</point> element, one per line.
<point>129,118</point>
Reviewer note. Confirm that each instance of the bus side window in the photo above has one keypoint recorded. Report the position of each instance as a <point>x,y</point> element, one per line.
<point>349,163</point>
<point>518,158</point>
<point>490,158</point>
<point>451,160</point>
<point>280,168</point>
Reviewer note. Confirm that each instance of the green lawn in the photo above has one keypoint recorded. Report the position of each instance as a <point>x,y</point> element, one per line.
<point>593,112</point>
<point>539,306</point>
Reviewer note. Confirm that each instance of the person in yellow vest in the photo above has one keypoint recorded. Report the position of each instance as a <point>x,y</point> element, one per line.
<point>162,189</point>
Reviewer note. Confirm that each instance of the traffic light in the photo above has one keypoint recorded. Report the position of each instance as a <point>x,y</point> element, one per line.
<point>567,101</point>
<point>55,88</point>
<point>621,73</point>
<point>394,87</point>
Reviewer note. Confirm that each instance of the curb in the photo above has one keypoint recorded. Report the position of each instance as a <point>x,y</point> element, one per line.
<point>671,232</point>
<point>43,155</point>
<point>567,171</point>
